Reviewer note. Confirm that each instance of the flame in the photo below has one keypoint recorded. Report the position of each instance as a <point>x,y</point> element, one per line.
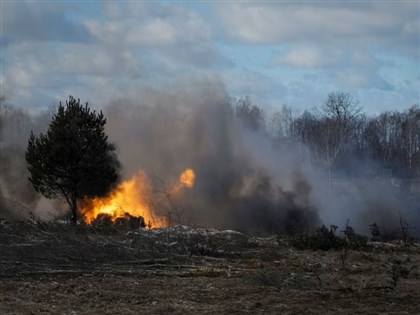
<point>132,197</point>
<point>128,197</point>
<point>187,178</point>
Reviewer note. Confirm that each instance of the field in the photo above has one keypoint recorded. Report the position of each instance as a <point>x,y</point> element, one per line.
<point>59,268</point>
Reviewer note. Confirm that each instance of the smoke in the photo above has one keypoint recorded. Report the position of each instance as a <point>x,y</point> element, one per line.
<point>365,201</point>
<point>244,179</point>
<point>243,182</point>
<point>17,197</point>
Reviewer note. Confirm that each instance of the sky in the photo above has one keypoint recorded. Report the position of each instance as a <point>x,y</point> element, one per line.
<point>275,52</point>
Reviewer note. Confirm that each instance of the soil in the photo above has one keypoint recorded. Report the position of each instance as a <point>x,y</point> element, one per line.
<point>59,268</point>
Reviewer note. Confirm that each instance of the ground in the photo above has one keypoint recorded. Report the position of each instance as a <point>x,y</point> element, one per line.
<point>59,268</point>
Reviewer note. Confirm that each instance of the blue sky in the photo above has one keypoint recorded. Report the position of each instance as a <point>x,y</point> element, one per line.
<point>277,52</point>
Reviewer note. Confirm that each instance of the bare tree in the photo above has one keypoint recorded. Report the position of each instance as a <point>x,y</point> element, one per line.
<point>338,118</point>
<point>251,115</point>
<point>411,135</point>
<point>15,124</point>
<point>281,124</point>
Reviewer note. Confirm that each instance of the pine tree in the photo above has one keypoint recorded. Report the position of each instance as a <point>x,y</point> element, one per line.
<point>74,158</point>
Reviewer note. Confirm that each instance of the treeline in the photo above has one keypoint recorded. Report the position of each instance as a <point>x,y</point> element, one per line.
<point>342,137</point>
<point>15,127</point>
<point>338,134</point>
<point>16,124</point>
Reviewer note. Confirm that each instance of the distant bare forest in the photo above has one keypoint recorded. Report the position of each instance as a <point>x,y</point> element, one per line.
<point>339,134</point>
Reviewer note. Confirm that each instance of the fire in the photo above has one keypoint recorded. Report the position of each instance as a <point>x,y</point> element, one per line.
<point>128,197</point>
<point>187,178</point>
<point>133,197</point>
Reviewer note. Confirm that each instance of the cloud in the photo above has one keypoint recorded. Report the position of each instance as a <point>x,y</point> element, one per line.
<point>353,68</point>
<point>147,25</point>
<point>264,90</point>
<point>105,50</point>
<point>304,58</point>
<point>359,79</point>
<point>35,64</point>
<point>126,47</point>
<point>156,32</point>
<point>32,21</point>
<point>393,25</point>
<point>310,56</point>
<point>171,32</point>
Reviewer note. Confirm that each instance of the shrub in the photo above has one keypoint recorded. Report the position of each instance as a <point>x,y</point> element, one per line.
<point>326,239</point>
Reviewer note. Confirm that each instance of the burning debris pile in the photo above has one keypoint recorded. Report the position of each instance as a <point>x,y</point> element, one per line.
<point>126,221</point>
<point>130,203</point>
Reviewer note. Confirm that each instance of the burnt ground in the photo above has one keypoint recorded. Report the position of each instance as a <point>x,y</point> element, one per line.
<point>57,268</point>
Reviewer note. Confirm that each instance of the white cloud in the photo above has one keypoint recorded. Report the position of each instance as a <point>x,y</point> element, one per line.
<point>83,70</point>
<point>310,56</point>
<point>176,36</point>
<point>113,49</point>
<point>303,58</point>
<point>130,45</point>
<point>343,66</point>
<point>390,24</point>
<point>143,24</point>
<point>327,56</point>
<point>39,59</point>
<point>156,32</point>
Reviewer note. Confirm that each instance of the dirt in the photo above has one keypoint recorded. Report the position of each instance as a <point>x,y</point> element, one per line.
<point>58,268</point>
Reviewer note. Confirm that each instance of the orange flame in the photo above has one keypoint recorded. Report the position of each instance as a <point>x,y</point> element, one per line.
<point>132,197</point>
<point>187,178</point>
<point>128,197</point>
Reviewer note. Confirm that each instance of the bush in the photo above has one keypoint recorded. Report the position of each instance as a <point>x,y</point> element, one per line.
<point>326,239</point>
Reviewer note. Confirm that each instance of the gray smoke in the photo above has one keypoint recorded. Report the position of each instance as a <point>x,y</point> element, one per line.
<point>17,196</point>
<point>365,201</point>
<point>242,181</point>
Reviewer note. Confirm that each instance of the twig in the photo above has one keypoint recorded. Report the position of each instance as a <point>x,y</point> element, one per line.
<point>44,232</point>
<point>168,197</point>
<point>15,202</point>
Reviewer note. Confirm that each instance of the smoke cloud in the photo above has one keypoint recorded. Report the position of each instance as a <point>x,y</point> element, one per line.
<point>242,181</point>
<point>17,196</point>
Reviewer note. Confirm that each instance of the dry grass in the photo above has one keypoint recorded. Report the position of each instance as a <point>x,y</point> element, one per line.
<point>54,268</point>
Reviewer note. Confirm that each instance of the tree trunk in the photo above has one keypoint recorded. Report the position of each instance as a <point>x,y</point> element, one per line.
<point>329,181</point>
<point>74,209</point>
